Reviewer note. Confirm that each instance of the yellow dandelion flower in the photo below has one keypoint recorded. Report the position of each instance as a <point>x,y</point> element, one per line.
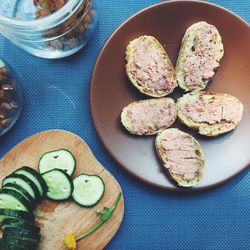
<point>70,241</point>
<point>105,214</point>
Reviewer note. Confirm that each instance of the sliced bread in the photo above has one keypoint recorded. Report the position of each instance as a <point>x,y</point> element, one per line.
<point>148,117</point>
<point>210,113</point>
<point>149,67</point>
<point>181,155</point>
<point>199,56</point>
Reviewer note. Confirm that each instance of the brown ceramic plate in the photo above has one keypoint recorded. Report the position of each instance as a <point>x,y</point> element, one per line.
<point>226,155</point>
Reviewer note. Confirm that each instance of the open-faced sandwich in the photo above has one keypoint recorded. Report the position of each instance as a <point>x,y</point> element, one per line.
<point>181,155</point>
<point>210,113</point>
<point>199,56</point>
<point>148,117</point>
<point>149,67</point>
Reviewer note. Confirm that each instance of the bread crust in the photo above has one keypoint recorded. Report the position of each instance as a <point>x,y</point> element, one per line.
<point>180,179</point>
<point>205,128</point>
<point>139,84</point>
<point>188,42</point>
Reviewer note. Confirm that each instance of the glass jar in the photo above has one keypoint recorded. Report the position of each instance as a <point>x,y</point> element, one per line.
<point>46,33</point>
<point>11,99</point>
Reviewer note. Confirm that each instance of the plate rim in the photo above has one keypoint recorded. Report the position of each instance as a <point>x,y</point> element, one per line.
<point>91,100</point>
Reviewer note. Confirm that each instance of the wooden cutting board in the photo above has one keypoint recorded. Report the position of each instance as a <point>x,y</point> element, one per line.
<point>56,219</point>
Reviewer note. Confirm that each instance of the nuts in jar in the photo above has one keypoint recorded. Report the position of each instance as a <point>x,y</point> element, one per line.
<point>49,28</point>
<point>10,99</point>
<point>75,28</point>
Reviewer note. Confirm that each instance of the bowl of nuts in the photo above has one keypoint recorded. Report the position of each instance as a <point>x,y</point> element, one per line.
<point>11,99</point>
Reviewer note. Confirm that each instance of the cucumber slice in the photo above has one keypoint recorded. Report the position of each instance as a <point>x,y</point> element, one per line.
<point>19,243</point>
<point>10,199</point>
<point>57,159</point>
<point>9,213</point>
<point>88,189</point>
<point>22,191</point>
<point>25,183</point>
<point>20,232</point>
<point>35,177</point>
<point>60,186</point>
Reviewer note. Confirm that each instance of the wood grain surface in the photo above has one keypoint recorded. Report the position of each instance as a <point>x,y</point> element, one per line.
<point>56,219</point>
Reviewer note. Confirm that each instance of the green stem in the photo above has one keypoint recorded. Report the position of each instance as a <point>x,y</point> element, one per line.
<point>90,231</point>
<point>117,201</point>
<point>107,214</point>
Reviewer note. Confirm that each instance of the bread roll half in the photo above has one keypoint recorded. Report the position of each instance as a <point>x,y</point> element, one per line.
<point>149,67</point>
<point>199,56</point>
<point>148,117</point>
<point>182,156</point>
<point>210,113</point>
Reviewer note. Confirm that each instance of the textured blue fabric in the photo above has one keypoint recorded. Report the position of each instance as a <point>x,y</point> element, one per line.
<point>57,96</point>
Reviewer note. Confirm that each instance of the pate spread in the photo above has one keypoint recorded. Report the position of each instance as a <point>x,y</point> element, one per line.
<point>210,109</point>
<point>181,155</point>
<point>202,60</point>
<point>151,115</point>
<point>149,67</point>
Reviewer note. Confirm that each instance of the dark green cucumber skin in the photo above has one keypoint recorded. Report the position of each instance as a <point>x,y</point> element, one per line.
<point>8,245</point>
<point>19,243</point>
<point>16,223</point>
<point>11,186</point>
<point>20,225</point>
<point>21,233</point>
<point>69,179</point>
<point>55,151</point>
<point>37,176</point>
<point>9,213</point>
<point>19,197</point>
<point>96,201</point>
<point>27,180</point>
<point>32,232</point>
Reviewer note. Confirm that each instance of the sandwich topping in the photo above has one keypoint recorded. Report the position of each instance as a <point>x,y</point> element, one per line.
<point>149,116</point>
<point>202,60</point>
<point>181,154</point>
<point>149,67</point>
<point>211,109</point>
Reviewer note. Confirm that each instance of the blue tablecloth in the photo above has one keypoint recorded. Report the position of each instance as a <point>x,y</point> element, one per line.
<point>57,96</point>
